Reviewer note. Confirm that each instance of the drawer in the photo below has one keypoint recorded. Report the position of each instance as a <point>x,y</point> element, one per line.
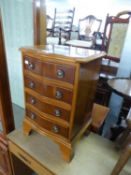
<point>51,70</point>
<point>50,126</point>
<point>47,108</point>
<point>33,65</point>
<point>49,91</point>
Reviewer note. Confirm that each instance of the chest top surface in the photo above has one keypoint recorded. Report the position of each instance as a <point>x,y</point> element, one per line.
<point>65,53</point>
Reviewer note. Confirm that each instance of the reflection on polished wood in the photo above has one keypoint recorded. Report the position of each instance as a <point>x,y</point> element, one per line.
<point>76,54</point>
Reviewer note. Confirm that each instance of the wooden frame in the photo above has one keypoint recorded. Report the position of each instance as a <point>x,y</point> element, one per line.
<point>6,112</point>
<point>59,17</point>
<point>91,19</point>
<point>110,22</point>
<point>39,16</point>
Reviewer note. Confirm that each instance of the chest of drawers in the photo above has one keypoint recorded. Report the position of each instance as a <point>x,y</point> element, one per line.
<point>59,88</point>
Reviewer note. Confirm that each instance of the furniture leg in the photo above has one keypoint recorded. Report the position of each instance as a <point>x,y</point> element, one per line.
<point>67,152</point>
<point>26,128</point>
<point>122,160</point>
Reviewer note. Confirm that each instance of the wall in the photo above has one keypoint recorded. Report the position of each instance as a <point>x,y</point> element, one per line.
<point>18,31</point>
<point>125,64</point>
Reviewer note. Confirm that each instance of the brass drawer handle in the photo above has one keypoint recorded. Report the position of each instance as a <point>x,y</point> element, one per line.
<point>32,85</point>
<point>55,129</point>
<point>33,101</point>
<point>60,73</point>
<point>24,158</point>
<point>58,95</point>
<point>57,112</point>
<point>33,116</point>
<point>31,66</point>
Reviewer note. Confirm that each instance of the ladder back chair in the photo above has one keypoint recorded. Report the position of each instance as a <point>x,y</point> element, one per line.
<point>49,25</point>
<point>62,26</point>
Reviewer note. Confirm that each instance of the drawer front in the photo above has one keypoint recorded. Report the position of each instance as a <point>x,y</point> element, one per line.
<point>49,91</point>
<point>50,126</point>
<point>47,108</point>
<point>33,65</point>
<point>49,70</point>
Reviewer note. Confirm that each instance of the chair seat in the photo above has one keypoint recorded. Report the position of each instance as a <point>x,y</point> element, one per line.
<point>80,43</point>
<point>55,40</point>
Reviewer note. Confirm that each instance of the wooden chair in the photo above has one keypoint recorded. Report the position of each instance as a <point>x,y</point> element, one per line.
<point>49,25</point>
<point>99,114</point>
<point>62,26</point>
<point>112,41</point>
<point>87,27</point>
<point>124,140</point>
<point>114,35</point>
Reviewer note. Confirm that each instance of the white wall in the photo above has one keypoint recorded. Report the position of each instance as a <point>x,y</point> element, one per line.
<point>18,31</point>
<point>125,64</point>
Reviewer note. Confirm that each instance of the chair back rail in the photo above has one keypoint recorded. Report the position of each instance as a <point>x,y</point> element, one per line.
<point>63,19</point>
<point>114,35</point>
<point>87,26</point>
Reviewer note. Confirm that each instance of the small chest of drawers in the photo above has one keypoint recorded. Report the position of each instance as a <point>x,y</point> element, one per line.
<point>59,88</point>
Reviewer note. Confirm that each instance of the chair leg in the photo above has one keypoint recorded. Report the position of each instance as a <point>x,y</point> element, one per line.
<point>122,160</point>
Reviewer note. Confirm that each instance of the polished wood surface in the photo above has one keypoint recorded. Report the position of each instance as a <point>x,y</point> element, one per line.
<point>50,126</point>
<point>122,86</point>
<point>88,76</point>
<point>63,113</point>
<point>5,168</point>
<point>48,90</point>
<point>6,113</point>
<point>53,110</point>
<point>48,69</point>
<point>63,53</point>
<point>39,22</point>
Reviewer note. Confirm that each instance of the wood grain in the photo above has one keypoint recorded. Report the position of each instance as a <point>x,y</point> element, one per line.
<point>76,79</point>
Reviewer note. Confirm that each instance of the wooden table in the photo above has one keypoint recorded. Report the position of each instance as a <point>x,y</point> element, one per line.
<point>121,86</point>
<point>93,155</point>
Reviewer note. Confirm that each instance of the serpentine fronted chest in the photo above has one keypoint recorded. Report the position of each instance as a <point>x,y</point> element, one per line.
<point>59,88</point>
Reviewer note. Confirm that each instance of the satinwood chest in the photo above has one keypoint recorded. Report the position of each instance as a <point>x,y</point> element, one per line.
<point>59,88</point>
